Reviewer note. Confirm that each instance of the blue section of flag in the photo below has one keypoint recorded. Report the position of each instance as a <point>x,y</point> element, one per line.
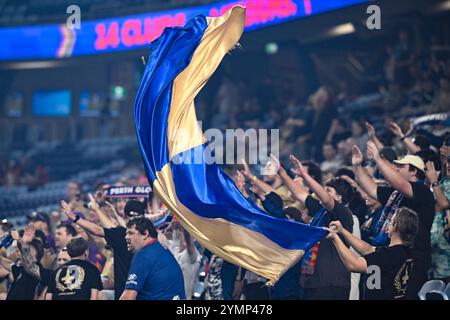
<point>210,193</point>
<point>170,54</point>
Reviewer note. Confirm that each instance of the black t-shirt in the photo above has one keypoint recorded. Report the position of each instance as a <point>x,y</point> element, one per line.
<point>74,280</point>
<point>395,266</point>
<point>329,270</point>
<point>115,238</point>
<point>24,285</point>
<point>422,203</point>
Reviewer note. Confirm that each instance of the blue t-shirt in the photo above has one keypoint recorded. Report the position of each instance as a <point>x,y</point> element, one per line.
<point>155,274</point>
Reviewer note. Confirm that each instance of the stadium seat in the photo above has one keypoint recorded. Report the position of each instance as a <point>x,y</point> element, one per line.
<point>447,291</point>
<point>435,295</point>
<point>432,289</point>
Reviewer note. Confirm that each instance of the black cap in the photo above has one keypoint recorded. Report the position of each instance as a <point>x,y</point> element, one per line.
<point>39,216</point>
<point>388,154</point>
<point>135,206</point>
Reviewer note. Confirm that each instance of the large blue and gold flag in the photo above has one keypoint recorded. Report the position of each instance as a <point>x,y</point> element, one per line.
<point>205,200</point>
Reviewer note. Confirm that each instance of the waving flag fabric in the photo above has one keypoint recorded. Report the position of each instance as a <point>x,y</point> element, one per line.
<point>204,199</point>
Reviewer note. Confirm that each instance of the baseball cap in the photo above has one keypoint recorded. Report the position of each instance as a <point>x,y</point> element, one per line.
<point>415,161</point>
<point>134,206</point>
<point>388,154</point>
<point>39,216</point>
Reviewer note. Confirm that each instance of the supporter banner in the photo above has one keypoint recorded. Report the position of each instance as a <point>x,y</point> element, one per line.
<point>432,119</point>
<point>204,199</point>
<point>137,31</point>
<point>128,192</point>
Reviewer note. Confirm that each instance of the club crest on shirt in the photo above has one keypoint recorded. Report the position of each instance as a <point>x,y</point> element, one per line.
<point>70,278</point>
<point>401,279</point>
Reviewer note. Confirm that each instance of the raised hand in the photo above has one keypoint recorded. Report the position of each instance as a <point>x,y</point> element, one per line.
<point>298,168</point>
<point>370,130</point>
<point>112,207</point>
<point>372,150</point>
<point>93,204</point>
<point>15,235</point>
<point>431,173</point>
<point>239,179</point>
<point>396,129</point>
<point>28,235</point>
<point>444,151</point>
<point>247,172</point>
<point>67,210</point>
<point>272,166</point>
<point>256,189</point>
<point>357,156</point>
<point>352,182</point>
<point>276,162</point>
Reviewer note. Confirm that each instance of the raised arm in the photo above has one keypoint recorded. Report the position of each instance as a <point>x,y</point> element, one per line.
<point>86,225</point>
<point>239,180</point>
<point>363,179</point>
<point>355,185</point>
<point>389,173</point>
<point>120,221</point>
<point>259,184</point>
<point>442,202</point>
<point>314,186</point>
<point>29,263</point>
<point>373,135</point>
<point>298,191</point>
<point>412,148</point>
<point>190,246</point>
<point>155,205</point>
<point>105,221</point>
<point>6,263</point>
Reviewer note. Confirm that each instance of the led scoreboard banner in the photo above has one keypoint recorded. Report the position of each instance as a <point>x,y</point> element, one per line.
<point>137,31</point>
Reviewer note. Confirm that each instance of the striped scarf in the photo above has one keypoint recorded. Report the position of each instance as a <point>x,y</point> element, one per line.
<point>381,237</point>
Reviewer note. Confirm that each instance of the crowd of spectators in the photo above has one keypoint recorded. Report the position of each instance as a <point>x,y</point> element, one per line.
<point>399,204</point>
